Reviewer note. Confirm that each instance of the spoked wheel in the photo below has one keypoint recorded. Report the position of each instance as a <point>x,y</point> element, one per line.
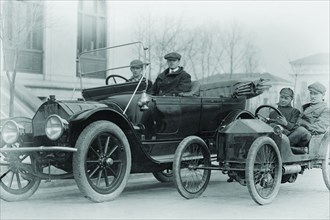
<point>16,176</point>
<point>263,170</point>
<point>102,164</point>
<point>326,164</point>
<point>191,156</point>
<point>164,176</point>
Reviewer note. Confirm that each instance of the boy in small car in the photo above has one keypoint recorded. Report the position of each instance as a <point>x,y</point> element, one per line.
<point>314,119</point>
<point>290,113</point>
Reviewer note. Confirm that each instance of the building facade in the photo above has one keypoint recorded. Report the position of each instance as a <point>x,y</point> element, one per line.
<point>48,36</point>
<point>308,70</point>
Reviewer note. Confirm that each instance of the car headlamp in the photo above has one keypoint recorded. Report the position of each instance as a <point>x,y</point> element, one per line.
<point>11,131</point>
<point>55,126</point>
<point>278,129</point>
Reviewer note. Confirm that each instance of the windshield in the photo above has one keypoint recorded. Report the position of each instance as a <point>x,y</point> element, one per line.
<point>96,67</point>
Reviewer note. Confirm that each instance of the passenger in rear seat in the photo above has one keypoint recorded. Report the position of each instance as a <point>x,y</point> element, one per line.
<point>314,119</point>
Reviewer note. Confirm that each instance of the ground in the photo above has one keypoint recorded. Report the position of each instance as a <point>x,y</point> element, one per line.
<point>146,198</point>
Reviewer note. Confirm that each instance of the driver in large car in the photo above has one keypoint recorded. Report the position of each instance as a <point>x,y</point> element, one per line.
<point>136,67</point>
<point>174,80</point>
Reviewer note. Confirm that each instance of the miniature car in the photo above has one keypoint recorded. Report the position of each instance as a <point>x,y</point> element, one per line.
<point>114,131</point>
<point>251,152</point>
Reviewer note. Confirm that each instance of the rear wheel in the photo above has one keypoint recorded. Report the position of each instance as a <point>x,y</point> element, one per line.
<point>191,156</point>
<point>16,176</point>
<point>326,166</point>
<point>102,164</point>
<point>263,170</point>
<point>164,176</point>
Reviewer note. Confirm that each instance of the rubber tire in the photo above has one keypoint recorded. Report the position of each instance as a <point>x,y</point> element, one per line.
<point>326,166</point>
<point>12,197</point>
<point>256,145</point>
<point>177,166</point>
<point>82,145</point>
<point>163,177</point>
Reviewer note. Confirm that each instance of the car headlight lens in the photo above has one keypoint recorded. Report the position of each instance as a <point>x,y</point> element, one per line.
<point>55,126</point>
<point>11,131</point>
<point>278,129</point>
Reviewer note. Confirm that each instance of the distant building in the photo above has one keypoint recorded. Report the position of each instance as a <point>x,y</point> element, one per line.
<point>46,63</point>
<point>307,70</point>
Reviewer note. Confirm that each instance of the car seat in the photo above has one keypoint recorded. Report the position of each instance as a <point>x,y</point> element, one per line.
<point>195,89</point>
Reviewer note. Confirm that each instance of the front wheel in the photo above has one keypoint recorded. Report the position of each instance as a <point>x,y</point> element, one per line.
<point>326,166</point>
<point>17,181</point>
<point>263,170</point>
<point>190,159</point>
<point>102,163</point>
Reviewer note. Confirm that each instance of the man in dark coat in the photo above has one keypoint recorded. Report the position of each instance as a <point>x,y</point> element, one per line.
<point>174,80</point>
<point>290,114</point>
<point>314,119</point>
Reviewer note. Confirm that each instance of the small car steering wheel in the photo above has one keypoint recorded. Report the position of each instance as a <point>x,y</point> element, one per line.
<point>114,78</point>
<point>266,119</point>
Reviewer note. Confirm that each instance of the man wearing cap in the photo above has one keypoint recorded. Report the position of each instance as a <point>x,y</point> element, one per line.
<point>174,79</point>
<point>290,113</point>
<point>136,69</point>
<point>314,119</point>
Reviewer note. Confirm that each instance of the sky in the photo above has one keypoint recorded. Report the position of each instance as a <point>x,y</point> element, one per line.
<point>282,30</point>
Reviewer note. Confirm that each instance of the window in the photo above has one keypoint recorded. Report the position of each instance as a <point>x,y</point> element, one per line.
<point>92,35</point>
<point>23,29</point>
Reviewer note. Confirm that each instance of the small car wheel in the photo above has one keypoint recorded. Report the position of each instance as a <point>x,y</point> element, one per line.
<point>164,176</point>
<point>16,179</point>
<point>263,170</point>
<point>191,156</point>
<point>326,165</point>
<point>102,163</point>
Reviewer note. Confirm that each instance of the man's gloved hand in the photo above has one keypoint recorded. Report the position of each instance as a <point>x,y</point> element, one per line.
<point>281,121</point>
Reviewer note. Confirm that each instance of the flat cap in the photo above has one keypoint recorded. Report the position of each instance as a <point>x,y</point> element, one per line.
<point>172,55</point>
<point>287,92</point>
<point>136,63</point>
<point>317,87</point>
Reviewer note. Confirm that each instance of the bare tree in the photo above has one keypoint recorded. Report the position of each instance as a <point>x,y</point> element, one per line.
<point>19,20</point>
<point>250,57</point>
<point>232,40</point>
<point>163,37</point>
<point>206,50</point>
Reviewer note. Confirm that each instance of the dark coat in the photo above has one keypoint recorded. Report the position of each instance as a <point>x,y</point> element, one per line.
<point>291,115</point>
<point>172,84</point>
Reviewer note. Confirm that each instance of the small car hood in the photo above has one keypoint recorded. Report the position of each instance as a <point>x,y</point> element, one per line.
<point>245,126</point>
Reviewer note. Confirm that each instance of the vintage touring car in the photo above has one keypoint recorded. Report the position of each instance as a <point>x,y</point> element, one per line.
<point>119,129</point>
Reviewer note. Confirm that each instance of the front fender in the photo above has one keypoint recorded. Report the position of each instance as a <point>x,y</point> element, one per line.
<point>234,115</point>
<point>84,115</point>
<point>78,122</point>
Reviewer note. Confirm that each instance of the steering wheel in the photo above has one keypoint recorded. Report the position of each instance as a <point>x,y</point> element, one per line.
<point>264,118</point>
<point>114,78</point>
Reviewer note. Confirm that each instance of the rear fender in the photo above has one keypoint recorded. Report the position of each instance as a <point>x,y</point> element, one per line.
<point>318,144</point>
